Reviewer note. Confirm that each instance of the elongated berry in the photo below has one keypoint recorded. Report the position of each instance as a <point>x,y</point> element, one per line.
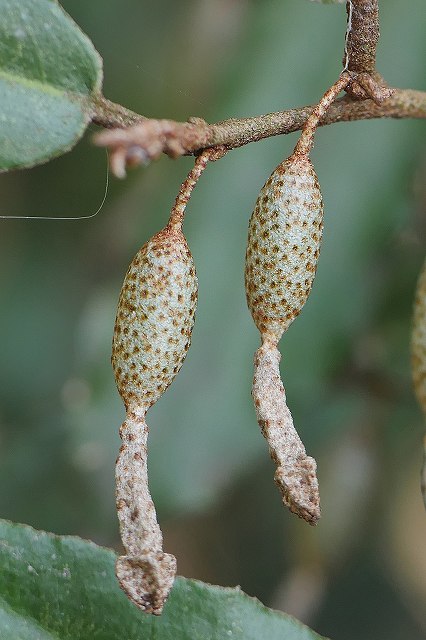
<point>285,232</point>
<point>155,317</point>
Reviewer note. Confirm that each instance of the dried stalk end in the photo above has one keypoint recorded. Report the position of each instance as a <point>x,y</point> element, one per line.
<point>285,232</point>
<point>145,573</point>
<point>296,472</point>
<point>147,580</point>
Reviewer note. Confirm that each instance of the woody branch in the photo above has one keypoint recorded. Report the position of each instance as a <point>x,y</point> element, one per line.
<point>134,139</point>
<point>362,36</point>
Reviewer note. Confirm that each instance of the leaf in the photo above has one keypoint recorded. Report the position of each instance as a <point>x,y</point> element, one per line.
<point>49,73</point>
<point>64,588</point>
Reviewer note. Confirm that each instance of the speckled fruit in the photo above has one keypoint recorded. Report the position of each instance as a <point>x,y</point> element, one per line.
<point>418,342</point>
<point>284,239</point>
<point>155,317</point>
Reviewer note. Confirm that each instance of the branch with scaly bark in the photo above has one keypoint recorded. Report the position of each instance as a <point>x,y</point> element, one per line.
<point>137,140</point>
<point>155,137</point>
<point>362,36</point>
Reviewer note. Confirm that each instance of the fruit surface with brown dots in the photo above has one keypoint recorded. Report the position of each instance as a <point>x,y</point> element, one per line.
<point>285,232</point>
<point>155,317</point>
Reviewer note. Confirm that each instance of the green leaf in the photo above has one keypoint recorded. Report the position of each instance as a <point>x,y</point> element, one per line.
<point>49,72</point>
<point>64,588</point>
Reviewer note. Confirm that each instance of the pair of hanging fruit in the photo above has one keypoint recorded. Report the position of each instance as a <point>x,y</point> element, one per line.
<point>152,335</point>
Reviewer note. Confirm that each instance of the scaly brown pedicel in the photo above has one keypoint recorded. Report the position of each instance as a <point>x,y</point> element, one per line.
<point>418,340</point>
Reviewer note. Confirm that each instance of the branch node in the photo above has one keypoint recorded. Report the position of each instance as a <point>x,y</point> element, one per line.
<point>369,86</point>
<point>197,121</point>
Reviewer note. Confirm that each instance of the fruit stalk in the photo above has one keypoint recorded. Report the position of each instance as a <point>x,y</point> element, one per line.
<point>306,141</point>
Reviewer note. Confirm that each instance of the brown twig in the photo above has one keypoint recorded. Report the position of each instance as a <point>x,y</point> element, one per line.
<point>368,97</point>
<point>154,137</point>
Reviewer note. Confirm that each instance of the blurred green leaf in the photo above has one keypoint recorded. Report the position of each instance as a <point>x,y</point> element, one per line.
<point>49,70</point>
<point>66,587</point>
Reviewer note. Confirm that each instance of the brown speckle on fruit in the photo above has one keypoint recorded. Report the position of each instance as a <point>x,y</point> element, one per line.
<point>284,230</point>
<point>150,318</point>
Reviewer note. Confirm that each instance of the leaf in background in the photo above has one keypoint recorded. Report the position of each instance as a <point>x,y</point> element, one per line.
<point>64,587</point>
<point>49,71</point>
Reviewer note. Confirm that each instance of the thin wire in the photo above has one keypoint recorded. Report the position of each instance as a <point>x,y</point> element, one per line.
<point>348,30</point>
<point>92,215</point>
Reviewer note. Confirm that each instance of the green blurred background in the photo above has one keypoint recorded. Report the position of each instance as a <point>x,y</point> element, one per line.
<point>361,572</point>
